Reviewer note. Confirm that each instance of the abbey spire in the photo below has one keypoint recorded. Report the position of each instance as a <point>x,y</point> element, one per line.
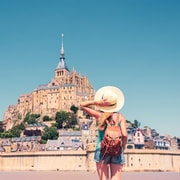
<point>62,63</point>
<point>62,46</point>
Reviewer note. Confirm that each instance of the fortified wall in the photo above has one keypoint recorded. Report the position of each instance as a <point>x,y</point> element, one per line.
<point>81,160</point>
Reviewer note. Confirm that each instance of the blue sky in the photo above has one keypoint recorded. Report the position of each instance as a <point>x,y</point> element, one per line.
<point>132,44</point>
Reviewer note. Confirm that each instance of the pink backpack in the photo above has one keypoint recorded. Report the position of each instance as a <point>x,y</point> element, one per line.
<point>112,142</point>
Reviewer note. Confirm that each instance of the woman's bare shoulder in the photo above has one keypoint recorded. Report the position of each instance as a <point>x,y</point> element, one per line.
<point>121,117</point>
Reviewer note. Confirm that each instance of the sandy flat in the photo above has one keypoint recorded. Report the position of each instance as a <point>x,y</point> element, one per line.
<point>69,175</point>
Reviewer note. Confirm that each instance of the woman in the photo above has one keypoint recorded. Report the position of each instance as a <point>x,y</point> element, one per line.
<point>108,101</point>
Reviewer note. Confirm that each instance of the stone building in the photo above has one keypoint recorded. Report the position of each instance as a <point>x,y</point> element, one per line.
<point>67,88</point>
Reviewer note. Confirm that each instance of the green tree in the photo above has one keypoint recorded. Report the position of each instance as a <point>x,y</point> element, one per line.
<point>73,121</point>
<point>15,131</point>
<point>49,133</point>
<point>74,109</point>
<point>127,121</point>
<point>31,118</point>
<point>65,119</point>
<point>46,118</point>
<point>136,124</point>
<point>19,116</point>
<point>1,127</point>
<point>62,118</point>
<point>6,134</point>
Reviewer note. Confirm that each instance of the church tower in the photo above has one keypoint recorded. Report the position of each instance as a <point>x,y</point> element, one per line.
<point>61,70</point>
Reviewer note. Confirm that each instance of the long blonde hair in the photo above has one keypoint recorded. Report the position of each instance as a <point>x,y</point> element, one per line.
<point>103,118</point>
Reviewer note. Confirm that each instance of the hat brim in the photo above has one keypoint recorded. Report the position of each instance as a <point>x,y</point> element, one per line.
<point>120,99</point>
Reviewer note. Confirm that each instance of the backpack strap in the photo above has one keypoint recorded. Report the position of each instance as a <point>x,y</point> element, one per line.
<point>114,123</point>
<point>118,119</point>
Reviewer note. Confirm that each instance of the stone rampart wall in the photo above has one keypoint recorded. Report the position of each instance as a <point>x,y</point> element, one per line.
<point>152,160</point>
<point>136,160</point>
<point>44,160</point>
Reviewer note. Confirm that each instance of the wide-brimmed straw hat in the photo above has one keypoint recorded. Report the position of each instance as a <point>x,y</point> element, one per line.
<point>111,94</point>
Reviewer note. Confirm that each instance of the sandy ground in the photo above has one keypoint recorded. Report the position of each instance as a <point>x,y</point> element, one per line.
<point>69,175</point>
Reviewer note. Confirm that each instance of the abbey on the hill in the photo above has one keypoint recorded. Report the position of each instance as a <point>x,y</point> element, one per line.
<point>67,88</point>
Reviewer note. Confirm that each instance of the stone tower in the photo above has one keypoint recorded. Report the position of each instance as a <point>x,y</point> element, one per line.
<point>67,88</point>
